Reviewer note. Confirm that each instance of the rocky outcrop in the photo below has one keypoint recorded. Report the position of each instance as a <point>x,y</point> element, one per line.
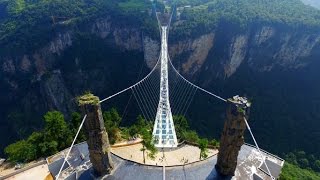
<point>293,50</point>
<point>232,136</point>
<point>8,66</point>
<point>261,47</point>
<point>198,50</point>
<point>263,35</point>
<point>129,39</point>
<point>102,27</point>
<point>236,54</point>
<point>97,137</point>
<point>40,66</point>
<point>60,42</point>
<point>56,93</point>
<point>151,49</point>
<point>25,64</point>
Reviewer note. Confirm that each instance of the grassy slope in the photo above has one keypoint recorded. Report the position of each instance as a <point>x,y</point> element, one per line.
<point>292,172</point>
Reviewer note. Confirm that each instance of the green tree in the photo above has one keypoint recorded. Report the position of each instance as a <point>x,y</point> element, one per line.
<point>293,172</point>
<point>317,165</point>
<point>21,151</point>
<point>214,143</point>
<point>203,146</point>
<point>36,138</point>
<point>76,120</point>
<point>181,125</point>
<point>141,123</point>
<point>111,118</point>
<point>304,163</point>
<point>56,131</point>
<point>291,157</point>
<point>148,143</point>
<point>112,122</point>
<point>48,148</point>
<point>191,136</point>
<point>133,130</point>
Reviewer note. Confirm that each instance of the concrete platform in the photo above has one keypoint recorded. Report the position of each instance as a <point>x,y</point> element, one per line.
<point>250,166</point>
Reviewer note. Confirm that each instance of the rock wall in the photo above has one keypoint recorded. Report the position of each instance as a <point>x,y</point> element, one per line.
<point>97,137</point>
<point>262,47</point>
<point>232,138</point>
<point>40,80</point>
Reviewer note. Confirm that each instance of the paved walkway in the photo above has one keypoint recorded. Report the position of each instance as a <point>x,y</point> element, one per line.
<point>36,173</point>
<point>184,155</point>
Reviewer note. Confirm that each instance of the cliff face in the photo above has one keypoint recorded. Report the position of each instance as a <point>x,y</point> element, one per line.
<point>101,57</point>
<point>272,64</point>
<point>261,47</point>
<point>262,62</point>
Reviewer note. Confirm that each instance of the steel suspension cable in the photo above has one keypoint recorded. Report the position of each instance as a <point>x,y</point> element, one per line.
<point>188,102</point>
<point>214,95</point>
<point>148,99</point>
<point>181,96</point>
<point>124,113</point>
<point>185,111</point>
<point>130,87</point>
<point>254,139</point>
<point>153,93</point>
<point>74,140</point>
<point>176,94</point>
<point>185,98</point>
<point>138,103</point>
<point>147,102</point>
<point>143,102</point>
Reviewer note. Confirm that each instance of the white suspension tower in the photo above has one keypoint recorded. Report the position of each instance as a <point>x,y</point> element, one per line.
<point>163,131</point>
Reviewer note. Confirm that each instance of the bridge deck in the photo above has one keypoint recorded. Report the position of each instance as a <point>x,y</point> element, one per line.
<point>164,132</point>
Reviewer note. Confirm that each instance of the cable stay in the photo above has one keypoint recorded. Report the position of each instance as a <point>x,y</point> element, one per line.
<point>74,140</point>
<point>255,142</point>
<point>210,93</point>
<point>130,87</point>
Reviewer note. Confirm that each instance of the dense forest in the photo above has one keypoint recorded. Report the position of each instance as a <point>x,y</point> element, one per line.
<point>30,23</point>
<point>204,15</point>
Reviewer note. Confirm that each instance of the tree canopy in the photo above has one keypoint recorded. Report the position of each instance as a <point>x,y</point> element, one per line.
<point>29,24</point>
<point>204,15</point>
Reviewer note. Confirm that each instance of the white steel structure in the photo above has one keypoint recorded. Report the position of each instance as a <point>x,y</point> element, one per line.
<point>163,131</point>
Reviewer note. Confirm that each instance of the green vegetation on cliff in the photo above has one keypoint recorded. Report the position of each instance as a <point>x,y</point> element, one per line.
<point>303,160</point>
<point>56,135</point>
<point>293,172</point>
<point>26,25</point>
<point>206,14</point>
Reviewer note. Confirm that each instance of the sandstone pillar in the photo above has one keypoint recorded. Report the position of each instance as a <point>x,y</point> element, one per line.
<point>97,137</point>
<point>232,135</point>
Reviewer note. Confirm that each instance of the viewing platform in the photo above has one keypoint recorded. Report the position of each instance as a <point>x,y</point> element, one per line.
<point>182,163</point>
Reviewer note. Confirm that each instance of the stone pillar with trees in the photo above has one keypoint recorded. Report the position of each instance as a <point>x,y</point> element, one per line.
<point>97,137</point>
<point>232,135</point>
